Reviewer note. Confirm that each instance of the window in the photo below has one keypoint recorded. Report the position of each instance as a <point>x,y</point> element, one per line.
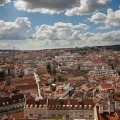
<point>67,116</point>
<point>105,107</point>
<point>31,114</point>
<point>90,115</point>
<point>44,113</point>
<point>81,114</point>
<point>40,116</point>
<point>53,115</point>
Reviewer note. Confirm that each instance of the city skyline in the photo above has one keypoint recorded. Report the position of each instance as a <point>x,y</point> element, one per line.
<point>39,24</point>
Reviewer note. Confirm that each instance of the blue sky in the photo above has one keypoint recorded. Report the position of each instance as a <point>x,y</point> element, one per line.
<point>38,24</point>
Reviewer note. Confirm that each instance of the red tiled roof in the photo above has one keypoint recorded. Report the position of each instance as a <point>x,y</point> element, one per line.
<point>105,86</point>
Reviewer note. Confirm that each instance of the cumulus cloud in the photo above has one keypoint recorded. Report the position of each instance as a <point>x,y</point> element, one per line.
<point>104,27</point>
<point>87,7</point>
<point>86,39</point>
<point>59,31</point>
<point>6,45</point>
<point>98,18</point>
<point>112,18</point>
<point>83,26</point>
<point>15,30</point>
<point>64,35</point>
<point>45,6</point>
<point>3,2</point>
<point>104,1</point>
<point>70,7</point>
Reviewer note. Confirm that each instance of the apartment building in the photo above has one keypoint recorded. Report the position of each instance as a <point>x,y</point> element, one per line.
<point>67,109</point>
<point>11,104</point>
<point>103,73</point>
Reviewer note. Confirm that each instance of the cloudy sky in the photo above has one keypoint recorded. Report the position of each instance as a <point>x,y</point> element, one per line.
<point>46,24</point>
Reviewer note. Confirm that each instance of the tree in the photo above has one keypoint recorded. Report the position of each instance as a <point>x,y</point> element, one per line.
<point>8,83</point>
<point>49,68</point>
<point>54,71</point>
<point>78,67</point>
<point>61,78</point>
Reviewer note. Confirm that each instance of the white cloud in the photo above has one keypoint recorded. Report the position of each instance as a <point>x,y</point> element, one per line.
<point>59,31</point>
<point>70,7</point>
<point>64,35</point>
<point>87,7</point>
<point>6,45</point>
<point>15,30</point>
<point>112,18</point>
<point>104,1</point>
<point>86,39</point>
<point>45,6</point>
<point>83,26</point>
<point>3,2</point>
<point>104,27</point>
<point>98,18</point>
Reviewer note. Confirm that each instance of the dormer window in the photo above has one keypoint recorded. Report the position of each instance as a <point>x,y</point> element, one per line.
<point>80,106</point>
<point>19,100</point>
<point>35,106</point>
<point>39,106</point>
<point>56,106</point>
<point>85,106</point>
<point>13,101</point>
<point>59,106</point>
<point>75,106</point>
<point>63,106</point>
<point>31,106</point>
<point>23,99</point>
<point>7,103</point>
<point>3,103</point>
<point>18,106</point>
<point>70,106</point>
<point>90,106</point>
<point>67,106</point>
<point>27,106</point>
<point>44,106</point>
<point>49,106</point>
<point>52,106</point>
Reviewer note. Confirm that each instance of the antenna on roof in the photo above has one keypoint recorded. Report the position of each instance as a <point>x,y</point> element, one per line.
<point>37,79</point>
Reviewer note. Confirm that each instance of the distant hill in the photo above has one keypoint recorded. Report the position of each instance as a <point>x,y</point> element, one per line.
<point>7,51</point>
<point>113,47</point>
